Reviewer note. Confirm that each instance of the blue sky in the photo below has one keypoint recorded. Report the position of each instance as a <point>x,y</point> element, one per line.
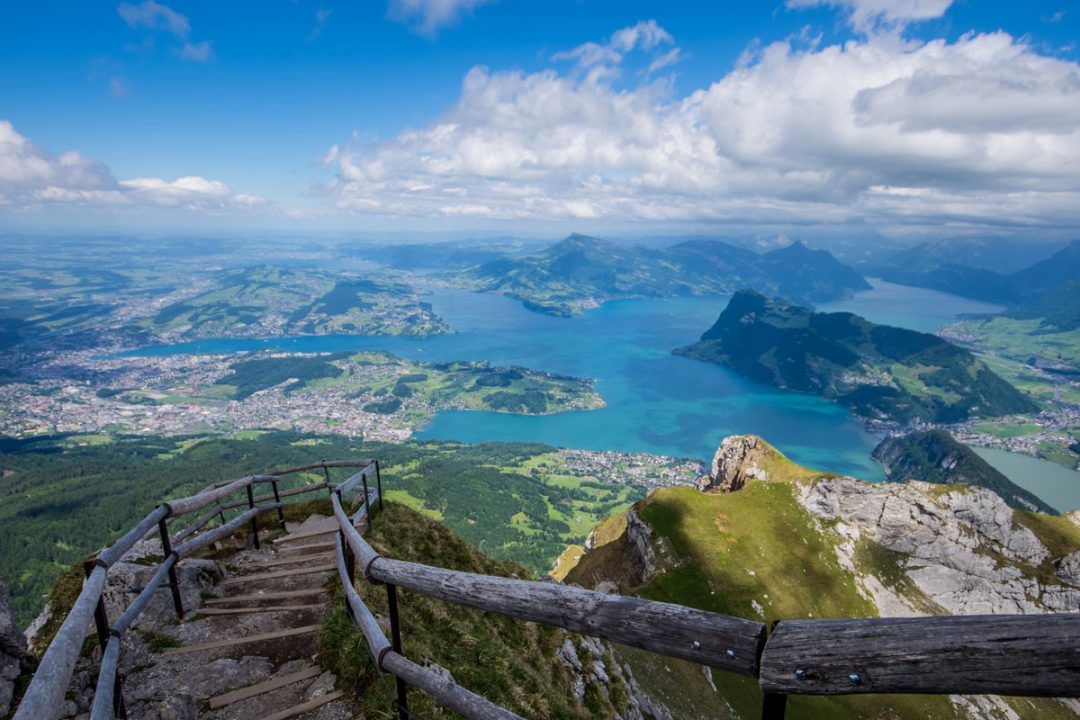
<point>912,116</point>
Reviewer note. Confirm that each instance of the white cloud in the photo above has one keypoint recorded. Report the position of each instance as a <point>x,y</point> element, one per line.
<point>645,35</point>
<point>981,130</point>
<point>199,52</point>
<point>428,16</point>
<point>870,15</point>
<point>154,16</point>
<point>322,16</point>
<point>31,176</point>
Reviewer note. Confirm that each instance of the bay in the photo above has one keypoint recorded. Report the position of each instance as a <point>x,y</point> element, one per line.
<point>656,402</point>
<point>1052,483</point>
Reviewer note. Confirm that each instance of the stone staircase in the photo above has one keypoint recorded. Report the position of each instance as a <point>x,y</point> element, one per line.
<point>249,651</point>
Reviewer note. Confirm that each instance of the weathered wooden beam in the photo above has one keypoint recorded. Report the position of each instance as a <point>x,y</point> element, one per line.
<point>104,694</point>
<point>448,693</point>
<point>257,609</point>
<point>262,597</point>
<point>720,641</point>
<point>999,654</point>
<point>323,464</point>
<point>220,701</point>
<point>259,577</point>
<point>270,496</point>
<point>229,642</point>
<point>293,560</point>
<point>221,532</point>
<point>377,643</point>
<point>143,598</point>
<point>45,694</point>
<point>305,707</point>
<point>363,552</point>
<point>110,555</point>
<point>183,506</point>
<point>199,523</point>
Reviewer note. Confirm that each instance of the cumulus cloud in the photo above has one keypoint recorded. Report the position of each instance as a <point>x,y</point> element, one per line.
<point>646,35</point>
<point>871,15</point>
<point>981,130</point>
<point>428,16</point>
<point>199,52</point>
<point>31,176</point>
<point>151,15</point>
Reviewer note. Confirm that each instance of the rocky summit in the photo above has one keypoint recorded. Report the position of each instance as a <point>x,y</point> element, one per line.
<point>12,650</point>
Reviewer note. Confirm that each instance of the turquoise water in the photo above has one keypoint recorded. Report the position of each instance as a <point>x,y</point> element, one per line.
<point>1054,484</point>
<point>656,402</point>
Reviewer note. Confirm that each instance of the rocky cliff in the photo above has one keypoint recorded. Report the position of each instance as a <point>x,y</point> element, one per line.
<point>772,540</point>
<point>12,650</point>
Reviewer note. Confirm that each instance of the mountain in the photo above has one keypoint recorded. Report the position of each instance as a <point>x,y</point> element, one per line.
<point>581,272</point>
<point>877,371</point>
<point>770,540</point>
<point>999,255</point>
<point>985,270</point>
<point>1058,308</point>
<point>935,456</point>
<point>1055,270</point>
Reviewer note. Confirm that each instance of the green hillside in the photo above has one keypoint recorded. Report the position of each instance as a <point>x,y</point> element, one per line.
<point>934,456</point>
<point>758,553</point>
<point>877,371</point>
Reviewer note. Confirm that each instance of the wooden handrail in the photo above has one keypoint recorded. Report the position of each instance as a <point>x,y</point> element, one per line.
<point>972,654</point>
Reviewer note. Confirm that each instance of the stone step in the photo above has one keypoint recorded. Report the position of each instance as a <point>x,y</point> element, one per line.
<point>263,687</point>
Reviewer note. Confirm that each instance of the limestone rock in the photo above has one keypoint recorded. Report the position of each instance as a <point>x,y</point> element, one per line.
<point>127,579</point>
<point>735,462</point>
<point>1074,516</point>
<point>639,534</point>
<point>964,552</point>
<point>12,650</point>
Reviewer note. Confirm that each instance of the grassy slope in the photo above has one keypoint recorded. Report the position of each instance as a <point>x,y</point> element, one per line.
<point>511,663</point>
<point>758,548</point>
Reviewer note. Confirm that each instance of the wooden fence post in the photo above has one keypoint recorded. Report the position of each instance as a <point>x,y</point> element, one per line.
<point>773,706</point>
<point>174,583</point>
<point>367,501</point>
<point>402,702</point>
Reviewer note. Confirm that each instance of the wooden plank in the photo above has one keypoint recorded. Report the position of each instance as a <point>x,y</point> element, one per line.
<point>312,546</point>
<point>377,643</point>
<point>258,577</point>
<point>229,642</point>
<point>293,560</point>
<point>445,691</point>
<point>264,687</point>
<point>258,597</point>
<point>304,536</point>
<point>999,654</point>
<point>182,506</point>
<point>257,609</point>
<point>305,707</point>
<point>720,641</point>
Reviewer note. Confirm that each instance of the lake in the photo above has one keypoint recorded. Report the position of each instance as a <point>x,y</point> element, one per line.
<point>656,402</point>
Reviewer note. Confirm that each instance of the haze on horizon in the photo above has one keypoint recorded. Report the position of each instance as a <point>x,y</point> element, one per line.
<point>921,118</point>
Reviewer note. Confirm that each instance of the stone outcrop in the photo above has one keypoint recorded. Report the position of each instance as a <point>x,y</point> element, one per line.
<point>12,650</point>
<point>736,461</point>
<point>960,548</point>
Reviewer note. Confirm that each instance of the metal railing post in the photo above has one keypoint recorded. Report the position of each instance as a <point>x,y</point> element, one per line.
<point>326,474</point>
<point>402,702</point>
<point>773,706</point>
<point>280,510</point>
<point>378,480</point>
<point>174,583</point>
<point>367,501</point>
<point>254,518</point>
<point>101,624</point>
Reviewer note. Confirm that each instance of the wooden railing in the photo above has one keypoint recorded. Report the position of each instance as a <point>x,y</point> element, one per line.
<point>1034,655</point>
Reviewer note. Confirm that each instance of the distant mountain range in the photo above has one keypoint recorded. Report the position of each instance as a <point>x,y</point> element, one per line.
<point>877,371</point>
<point>581,272</point>
<point>993,272</point>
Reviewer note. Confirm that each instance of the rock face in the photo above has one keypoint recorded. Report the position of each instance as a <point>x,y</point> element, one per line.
<point>962,548</point>
<point>12,650</point>
<point>735,462</point>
